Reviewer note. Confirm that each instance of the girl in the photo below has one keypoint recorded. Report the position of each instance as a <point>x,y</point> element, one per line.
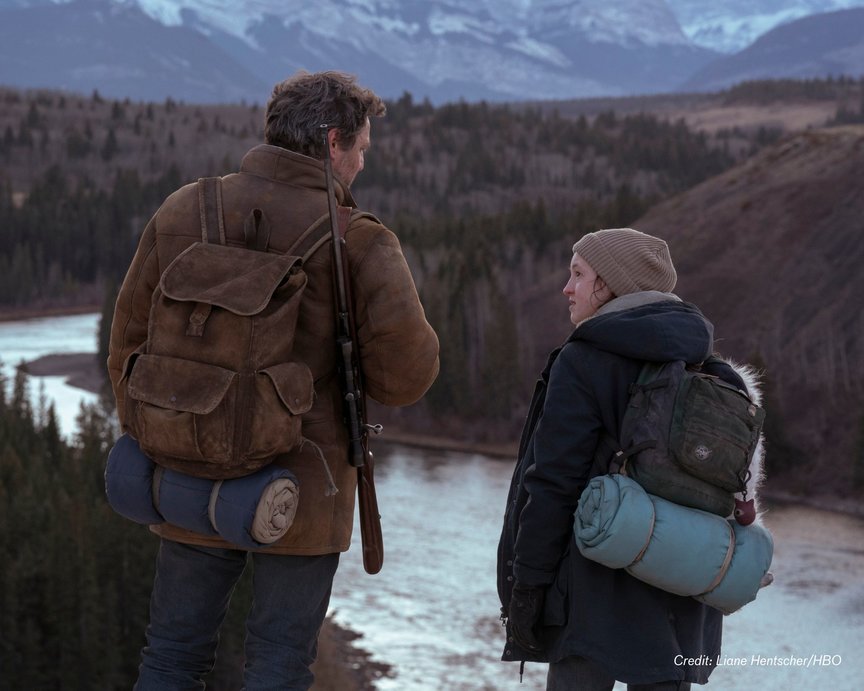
<point>596,625</point>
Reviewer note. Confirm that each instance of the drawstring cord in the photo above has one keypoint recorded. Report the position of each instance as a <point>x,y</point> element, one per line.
<point>331,485</point>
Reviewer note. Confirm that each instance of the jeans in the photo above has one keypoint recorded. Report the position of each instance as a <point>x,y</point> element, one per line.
<point>190,598</point>
<point>581,674</point>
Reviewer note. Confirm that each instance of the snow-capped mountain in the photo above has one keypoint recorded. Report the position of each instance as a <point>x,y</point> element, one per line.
<point>731,25</point>
<point>444,49</point>
<point>118,50</point>
<point>485,48</point>
<point>648,21</point>
<point>220,50</point>
<point>831,43</point>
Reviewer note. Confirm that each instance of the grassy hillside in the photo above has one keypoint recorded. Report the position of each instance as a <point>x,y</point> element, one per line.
<point>774,249</point>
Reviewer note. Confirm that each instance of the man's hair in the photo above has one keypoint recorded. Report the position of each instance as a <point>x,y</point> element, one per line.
<point>301,104</point>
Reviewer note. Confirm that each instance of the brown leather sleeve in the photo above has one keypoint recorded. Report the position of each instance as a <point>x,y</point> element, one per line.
<point>132,309</point>
<point>398,348</point>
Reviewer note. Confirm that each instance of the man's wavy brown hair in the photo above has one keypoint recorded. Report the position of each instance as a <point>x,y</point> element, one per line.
<point>301,104</point>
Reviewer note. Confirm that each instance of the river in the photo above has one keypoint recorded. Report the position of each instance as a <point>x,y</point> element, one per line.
<point>27,340</point>
<point>432,613</point>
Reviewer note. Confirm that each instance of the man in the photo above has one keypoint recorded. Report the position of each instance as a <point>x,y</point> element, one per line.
<point>398,350</point>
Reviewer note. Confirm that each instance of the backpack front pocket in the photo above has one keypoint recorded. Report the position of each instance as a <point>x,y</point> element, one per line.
<point>282,394</point>
<point>717,434</point>
<point>182,409</point>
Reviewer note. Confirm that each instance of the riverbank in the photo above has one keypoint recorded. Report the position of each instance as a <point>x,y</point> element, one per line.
<point>12,314</point>
<point>397,609</point>
<point>343,665</point>
<point>82,370</point>
<point>501,450</point>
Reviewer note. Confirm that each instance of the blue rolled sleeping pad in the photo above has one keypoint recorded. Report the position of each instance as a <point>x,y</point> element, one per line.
<point>675,548</point>
<point>189,502</point>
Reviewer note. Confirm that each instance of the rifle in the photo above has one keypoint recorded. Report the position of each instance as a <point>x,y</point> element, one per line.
<point>354,396</point>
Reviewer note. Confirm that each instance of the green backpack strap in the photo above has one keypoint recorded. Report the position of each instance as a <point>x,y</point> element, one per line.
<point>649,378</point>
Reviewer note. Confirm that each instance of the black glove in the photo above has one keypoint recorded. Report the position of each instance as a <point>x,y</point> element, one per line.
<point>526,607</point>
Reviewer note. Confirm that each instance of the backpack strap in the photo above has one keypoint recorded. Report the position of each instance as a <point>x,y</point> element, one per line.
<point>311,241</point>
<point>210,210</point>
<point>212,231</point>
<point>256,228</point>
<point>312,238</point>
<point>648,379</point>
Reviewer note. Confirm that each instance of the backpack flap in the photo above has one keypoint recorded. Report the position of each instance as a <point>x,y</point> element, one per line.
<point>239,280</point>
<point>294,385</point>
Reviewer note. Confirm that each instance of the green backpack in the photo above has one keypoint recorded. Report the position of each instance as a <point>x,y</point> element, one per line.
<point>688,436</point>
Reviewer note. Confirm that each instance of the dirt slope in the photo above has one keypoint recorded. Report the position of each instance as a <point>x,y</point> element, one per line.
<point>773,251</point>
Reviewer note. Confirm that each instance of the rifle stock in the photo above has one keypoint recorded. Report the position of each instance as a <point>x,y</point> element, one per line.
<point>354,397</point>
<point>370,519</point>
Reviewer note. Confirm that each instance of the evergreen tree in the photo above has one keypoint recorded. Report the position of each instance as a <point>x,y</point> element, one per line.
<point>109,148</point>
<point>8,138</point>
<point>105,318</point>
<point>33,118</point>
<point>118,113</point>
<point>77,146</point>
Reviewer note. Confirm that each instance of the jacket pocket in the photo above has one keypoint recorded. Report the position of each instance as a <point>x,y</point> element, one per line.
<point>182,409</point>
<point>556,603</point>
<point>283,393</point>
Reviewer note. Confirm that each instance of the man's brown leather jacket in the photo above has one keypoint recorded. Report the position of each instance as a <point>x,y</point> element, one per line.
<point>397,346</point>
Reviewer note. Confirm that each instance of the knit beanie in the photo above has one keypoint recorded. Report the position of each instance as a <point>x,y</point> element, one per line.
<point>628,261</point>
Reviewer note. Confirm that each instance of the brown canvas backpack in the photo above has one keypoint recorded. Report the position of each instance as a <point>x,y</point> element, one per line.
<point>214,392</point>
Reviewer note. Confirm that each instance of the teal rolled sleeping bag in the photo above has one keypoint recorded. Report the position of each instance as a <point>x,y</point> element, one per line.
<point>678,549</point>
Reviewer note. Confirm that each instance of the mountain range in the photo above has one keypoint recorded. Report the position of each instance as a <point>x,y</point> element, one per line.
<point>732,25</point>
<point>825,44</point>
<point>504,50</point>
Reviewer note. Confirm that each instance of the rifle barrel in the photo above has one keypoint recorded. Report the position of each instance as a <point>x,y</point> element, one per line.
<point>352,397</point>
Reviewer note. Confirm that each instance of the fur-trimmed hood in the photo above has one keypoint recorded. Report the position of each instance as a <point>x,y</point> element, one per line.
<point>752,380</point>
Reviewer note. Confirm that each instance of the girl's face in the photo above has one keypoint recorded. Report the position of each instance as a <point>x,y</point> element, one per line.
<point>585,291</point>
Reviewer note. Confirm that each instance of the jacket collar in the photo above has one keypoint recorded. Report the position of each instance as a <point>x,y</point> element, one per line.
<point>289,167</point>
<point>658,330</point>
<point>631,300</point>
